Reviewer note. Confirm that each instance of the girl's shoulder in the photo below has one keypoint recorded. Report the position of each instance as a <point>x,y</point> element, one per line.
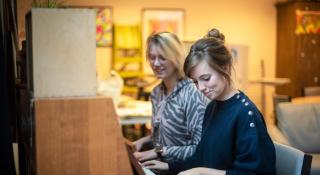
<point>249,113</point>
<point>192,95</point>
<point>246,106</point>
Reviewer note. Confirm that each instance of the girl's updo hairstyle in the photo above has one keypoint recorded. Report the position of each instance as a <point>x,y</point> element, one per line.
<point>211,49</point>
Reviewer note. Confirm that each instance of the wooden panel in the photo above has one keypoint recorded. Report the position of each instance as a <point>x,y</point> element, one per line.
<point>79,136</point>
<point>308,61</point>
<point>285,67</point>
<point>307,54</point>
<point>297,55</point>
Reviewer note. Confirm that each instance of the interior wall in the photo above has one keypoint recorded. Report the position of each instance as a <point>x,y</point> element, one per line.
<point>249,22</point>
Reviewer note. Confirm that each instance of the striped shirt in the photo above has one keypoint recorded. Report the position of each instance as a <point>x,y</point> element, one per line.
<point>177,119</point>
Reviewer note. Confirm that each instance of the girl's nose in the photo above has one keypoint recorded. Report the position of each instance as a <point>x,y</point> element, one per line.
<point>201,87</point>
<point>156,62</point>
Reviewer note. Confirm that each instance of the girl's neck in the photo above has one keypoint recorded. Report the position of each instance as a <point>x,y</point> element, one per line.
<point>228,92</point>
<point>169,84</point>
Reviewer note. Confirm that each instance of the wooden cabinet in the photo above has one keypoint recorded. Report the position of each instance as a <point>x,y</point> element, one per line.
<point>298,55</point>
<point>74,136</point>
<point>65,128</point>
<point>79,136</point>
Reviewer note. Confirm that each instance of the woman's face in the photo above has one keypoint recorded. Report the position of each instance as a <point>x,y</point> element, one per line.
<point>209,81</point>
<point>162,67</point>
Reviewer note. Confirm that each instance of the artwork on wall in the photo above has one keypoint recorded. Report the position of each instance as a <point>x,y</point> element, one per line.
<point>307,22</point>
<point>159,20</point>
<point>103,26</point>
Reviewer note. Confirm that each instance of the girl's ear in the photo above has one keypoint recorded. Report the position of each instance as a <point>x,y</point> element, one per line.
<point>225,68</point>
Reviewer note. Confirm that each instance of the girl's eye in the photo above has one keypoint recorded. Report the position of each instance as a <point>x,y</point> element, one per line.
<point>152,58</point>
<point>206,78</point>
<point>162,58</point>
<point>196,83</point>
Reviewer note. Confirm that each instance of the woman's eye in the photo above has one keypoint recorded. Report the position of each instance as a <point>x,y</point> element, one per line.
<point>151,58</point>
<point>196,83</point>
<point>162,58</point>
<point>206,78</point>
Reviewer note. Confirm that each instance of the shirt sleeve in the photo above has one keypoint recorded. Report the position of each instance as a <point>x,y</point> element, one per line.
<point>154,103</point>
<point>196,159</point>
<point>177,166</point>
<point>194,105</point>
<point>153,100</point>
<point>255,152</point>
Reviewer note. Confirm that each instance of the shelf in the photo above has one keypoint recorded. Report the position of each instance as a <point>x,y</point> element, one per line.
<point>128,59</point>
<point>127,89</point>
<point>128,74</point>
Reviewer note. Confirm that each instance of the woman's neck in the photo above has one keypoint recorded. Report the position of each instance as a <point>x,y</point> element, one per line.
<point>169,84</point>
<point>228,92</point>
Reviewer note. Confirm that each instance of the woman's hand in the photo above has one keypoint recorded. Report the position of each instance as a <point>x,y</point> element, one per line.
<point>193,171</point>
<point>202,171</point>
<point>139,143</point>
<point>155,164</point>
<point>145,155</point>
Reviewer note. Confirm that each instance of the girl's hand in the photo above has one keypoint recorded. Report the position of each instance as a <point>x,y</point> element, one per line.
<point>155,164</point>
<point>145,155</point>
<point>202,171</point>
<point>193,171</point>
<point>138,145</point>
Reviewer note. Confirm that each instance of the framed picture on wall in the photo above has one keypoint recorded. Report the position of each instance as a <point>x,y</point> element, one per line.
<point>158,20</point>
<point>104,26</point>
<point>307,22</point>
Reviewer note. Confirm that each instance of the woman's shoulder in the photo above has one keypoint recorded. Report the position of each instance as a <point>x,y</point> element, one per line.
<point>184,83</point>
<point>187,86</point>
<point>247,109</point>
<point>191,93</point>
<point>159,88</point>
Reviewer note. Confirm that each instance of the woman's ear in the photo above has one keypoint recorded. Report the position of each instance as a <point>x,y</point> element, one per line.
<point>225,68</point>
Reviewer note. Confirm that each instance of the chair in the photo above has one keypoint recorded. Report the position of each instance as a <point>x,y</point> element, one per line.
<point>311,91</point>
<point>299,127</point>
<point>277,98</point>
<point>291,161</point>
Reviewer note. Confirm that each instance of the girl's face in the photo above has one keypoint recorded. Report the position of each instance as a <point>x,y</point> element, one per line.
<point>162,67</point>
<point>209,81</point>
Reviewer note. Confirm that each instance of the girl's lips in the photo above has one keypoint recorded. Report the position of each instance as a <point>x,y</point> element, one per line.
<point>208,93</point>
<point>158,70</point>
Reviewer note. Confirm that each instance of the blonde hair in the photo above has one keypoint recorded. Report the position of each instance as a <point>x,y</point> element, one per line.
<point>170,47</point>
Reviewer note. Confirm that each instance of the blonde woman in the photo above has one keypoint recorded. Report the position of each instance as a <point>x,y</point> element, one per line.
<point>176,120</point>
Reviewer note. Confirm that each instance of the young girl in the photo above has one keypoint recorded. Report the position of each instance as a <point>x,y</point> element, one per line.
<point>235,139</point>
<point>176,121</point>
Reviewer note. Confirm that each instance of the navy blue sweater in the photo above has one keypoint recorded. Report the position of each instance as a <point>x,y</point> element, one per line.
<point>234,139</point>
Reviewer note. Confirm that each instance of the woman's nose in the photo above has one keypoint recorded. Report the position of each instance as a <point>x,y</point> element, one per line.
<point>201,87</point>
<point>156,62</point>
